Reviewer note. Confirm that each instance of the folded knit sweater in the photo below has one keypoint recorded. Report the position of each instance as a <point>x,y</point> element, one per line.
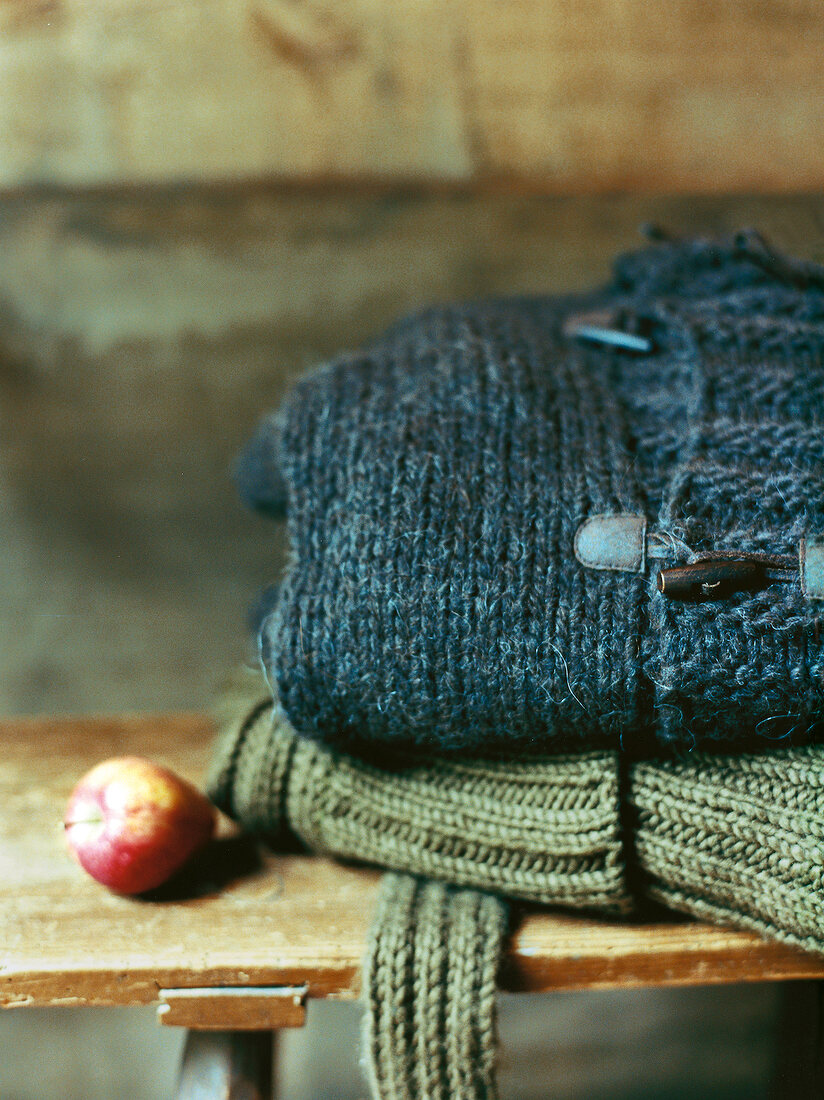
<point>734,839</point>
<point>485,503</point>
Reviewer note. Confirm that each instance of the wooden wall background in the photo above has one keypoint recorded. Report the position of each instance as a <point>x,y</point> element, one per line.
<point>559,95</point>
<point>198,201</point>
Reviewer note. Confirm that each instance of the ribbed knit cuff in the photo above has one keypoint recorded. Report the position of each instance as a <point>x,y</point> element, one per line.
<point>737,840</point>
<point>542,830</point>
<point>429,987</point>
<point>252,755</point>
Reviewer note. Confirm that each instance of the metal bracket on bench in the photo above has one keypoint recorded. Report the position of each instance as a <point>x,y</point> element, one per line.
<point>233,1008</point>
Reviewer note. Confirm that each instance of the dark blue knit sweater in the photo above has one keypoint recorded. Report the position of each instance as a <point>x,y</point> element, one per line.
<point>435,481</point>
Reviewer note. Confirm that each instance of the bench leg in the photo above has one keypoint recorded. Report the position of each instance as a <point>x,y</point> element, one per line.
<point>227,1065</point>
<point>799,1066</point>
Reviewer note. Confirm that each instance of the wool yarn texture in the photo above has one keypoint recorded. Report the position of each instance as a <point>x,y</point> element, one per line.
<point>429,982</point>
<point>735,839</point>
<point>543,831</point>
<point>435,480</point>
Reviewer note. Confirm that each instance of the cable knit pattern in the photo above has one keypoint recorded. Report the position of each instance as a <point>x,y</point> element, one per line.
<point>429,988</point>
<point>751,479</point>
<point>435,480</point>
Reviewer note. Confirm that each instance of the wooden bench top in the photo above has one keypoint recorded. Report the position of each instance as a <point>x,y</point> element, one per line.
<point>246,917</point>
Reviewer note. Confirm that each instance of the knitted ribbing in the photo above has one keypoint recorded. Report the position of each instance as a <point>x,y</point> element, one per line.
<point>436,479</point>
<point>252,756</point>
<point>543,830</point>
<point>429,988</point>
<point>738,840</point>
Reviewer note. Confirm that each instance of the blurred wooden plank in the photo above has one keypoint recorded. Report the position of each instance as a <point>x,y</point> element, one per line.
<point>247,918</point>
<point>555,95</point>
<point>142,335</point>
<point>232,1008</point>
<point>312,273</point>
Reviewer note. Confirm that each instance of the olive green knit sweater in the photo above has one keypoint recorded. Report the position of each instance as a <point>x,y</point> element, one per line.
<point>545,830</point>
<point>735,840</point>
<point>429,983</point>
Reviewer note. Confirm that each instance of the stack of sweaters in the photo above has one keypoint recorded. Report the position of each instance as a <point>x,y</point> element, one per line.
<point>549,628</point>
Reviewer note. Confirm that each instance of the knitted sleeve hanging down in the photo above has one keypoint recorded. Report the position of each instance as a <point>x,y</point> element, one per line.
<point>435,484</point>
<point>737,840</point>
<point>429,988</point>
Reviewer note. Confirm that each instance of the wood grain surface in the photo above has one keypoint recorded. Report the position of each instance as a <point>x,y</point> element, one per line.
<point>243,916</point>
<point>233,1008</point>
<point>558,96</point>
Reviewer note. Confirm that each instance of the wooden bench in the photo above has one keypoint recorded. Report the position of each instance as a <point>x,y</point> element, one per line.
<point>238,944</point>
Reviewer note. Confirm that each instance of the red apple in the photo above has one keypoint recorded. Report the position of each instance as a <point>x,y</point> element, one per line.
<point>132,823</point>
